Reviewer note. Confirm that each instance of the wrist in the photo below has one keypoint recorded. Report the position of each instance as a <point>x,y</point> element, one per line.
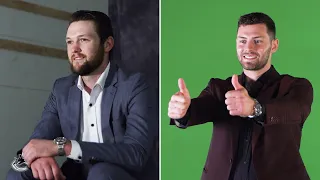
<point>256,110</point>
<point>67,148</point>
<point>252,113</point>
<point>60,143</point>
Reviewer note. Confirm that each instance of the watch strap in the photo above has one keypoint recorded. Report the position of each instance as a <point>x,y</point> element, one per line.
<point>61,151</point>
<point>60,142</point>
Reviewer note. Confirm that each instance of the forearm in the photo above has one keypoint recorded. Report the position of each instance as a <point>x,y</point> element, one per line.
<point>209,106</point>
<point>293,108</point>
<point>132,156</point>
<point>202,110</point>
<point>286,112</point>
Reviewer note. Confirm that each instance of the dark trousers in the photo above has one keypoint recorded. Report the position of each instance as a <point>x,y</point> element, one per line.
<point>77,171</point>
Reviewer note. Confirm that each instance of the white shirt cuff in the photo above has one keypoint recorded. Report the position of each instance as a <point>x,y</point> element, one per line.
<point>76,152</point>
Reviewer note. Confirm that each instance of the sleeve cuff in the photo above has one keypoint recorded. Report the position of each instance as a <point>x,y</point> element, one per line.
<point>76,152</point>
<point>183,122</point>
<point>178,124</point>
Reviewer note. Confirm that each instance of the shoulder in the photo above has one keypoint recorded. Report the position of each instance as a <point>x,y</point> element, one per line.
<point>65,82</point>
<point>219,83</point>
<point>136,86</point>
<point>135,83</point>
<point>131,79</point>
<point>289,80</point>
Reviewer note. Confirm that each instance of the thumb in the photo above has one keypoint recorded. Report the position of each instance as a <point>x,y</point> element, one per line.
<point>235,82</point>
<point>182,87</point>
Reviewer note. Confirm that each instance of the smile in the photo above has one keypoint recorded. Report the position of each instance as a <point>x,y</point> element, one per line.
<point>250,57</point>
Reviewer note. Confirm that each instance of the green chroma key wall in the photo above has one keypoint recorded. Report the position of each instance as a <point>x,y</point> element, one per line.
<point>198,42</point>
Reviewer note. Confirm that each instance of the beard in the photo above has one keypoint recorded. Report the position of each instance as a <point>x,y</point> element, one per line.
<point>257,64</point>
<point>88,66</point>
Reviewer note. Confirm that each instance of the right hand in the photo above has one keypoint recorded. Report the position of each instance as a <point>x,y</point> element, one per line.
<point>46,168</point>
<point>179,102</point>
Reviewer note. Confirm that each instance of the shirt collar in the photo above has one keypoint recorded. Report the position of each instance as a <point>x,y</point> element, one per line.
<point>254,87</point>
<point>100,82</point>
<point>268,77</point>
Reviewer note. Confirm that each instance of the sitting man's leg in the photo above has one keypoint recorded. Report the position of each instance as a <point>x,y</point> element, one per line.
<point>107,171</point>
<point>14,175</point>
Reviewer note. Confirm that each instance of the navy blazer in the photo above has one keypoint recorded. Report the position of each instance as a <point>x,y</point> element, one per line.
<point>129,120</point>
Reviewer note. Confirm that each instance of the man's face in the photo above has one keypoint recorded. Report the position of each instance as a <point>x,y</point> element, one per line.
<point>84,49</point>
<point>254,46</point>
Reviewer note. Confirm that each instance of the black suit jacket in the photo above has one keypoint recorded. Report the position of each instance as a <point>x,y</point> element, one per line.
<point>275,144</point>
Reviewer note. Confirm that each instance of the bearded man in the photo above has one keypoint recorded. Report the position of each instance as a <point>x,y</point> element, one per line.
<point>99,117</point>
<point>257,116</point>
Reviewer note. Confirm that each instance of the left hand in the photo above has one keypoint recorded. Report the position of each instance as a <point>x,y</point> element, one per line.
<point>238,101</point>
<point>37,148</point>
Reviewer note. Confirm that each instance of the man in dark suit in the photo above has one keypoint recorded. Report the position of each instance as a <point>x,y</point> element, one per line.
<point>258,116</point>
<point>102,119</point>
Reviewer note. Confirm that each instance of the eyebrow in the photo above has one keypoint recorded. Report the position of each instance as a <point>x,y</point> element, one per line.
<point>82,35</point>
<point>253,37</point>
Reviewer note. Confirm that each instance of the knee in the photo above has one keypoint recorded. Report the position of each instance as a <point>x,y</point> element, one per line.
<point>105,171</point>
<point>99,171</point>
<point>14,175</point>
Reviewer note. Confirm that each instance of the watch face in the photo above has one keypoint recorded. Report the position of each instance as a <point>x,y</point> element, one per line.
<point>60,140</point>
<point>258,109</point>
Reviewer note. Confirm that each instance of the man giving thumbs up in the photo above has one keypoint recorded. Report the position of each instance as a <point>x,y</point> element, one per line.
<point>258,116</point>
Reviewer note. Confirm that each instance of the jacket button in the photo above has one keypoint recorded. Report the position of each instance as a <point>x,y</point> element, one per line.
<point>230,160</point>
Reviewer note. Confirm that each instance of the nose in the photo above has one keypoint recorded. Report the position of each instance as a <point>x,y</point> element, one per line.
<point>249,45</point>
<point>75,48</point>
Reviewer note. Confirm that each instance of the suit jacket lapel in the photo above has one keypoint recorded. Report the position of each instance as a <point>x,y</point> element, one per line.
<point>75,110</point>
<point>107,102</point>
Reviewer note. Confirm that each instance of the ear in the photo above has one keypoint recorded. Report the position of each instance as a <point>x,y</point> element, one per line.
<point>274,45</point>
<point>108,44</point>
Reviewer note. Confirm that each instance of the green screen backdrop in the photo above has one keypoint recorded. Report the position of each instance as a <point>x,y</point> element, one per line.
<point>198,42</point>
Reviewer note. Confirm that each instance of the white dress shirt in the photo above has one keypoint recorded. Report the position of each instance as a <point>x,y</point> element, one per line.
<point>91,116</point>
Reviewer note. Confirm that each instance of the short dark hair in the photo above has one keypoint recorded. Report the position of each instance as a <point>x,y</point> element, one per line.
<point>259,18</point>
<point>101,20</point>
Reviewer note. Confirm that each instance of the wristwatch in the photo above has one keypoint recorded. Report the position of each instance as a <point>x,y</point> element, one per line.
<point>60,141</point>
<point>257,109</point>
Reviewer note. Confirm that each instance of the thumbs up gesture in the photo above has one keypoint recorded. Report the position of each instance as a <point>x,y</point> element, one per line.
<point>238,101</point>
<point>179,102</point>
